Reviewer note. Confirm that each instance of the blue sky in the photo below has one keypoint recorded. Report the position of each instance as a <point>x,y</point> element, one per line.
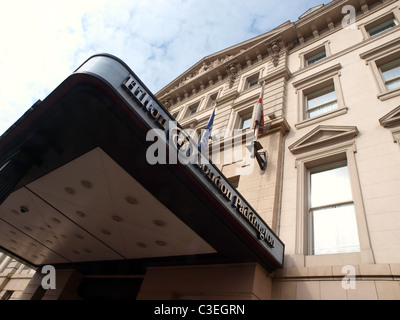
<point>44,41</point>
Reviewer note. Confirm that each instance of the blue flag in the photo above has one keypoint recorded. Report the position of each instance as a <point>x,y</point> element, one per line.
<point>207,133</point>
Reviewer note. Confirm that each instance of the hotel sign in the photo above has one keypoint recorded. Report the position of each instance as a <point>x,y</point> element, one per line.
<point>175,137</point>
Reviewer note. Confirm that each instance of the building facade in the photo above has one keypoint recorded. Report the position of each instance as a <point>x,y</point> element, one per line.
<point>332,97</point>
<point>320,222</point>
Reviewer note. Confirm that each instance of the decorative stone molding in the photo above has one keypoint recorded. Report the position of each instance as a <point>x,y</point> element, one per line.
<point>392,119</point>
<point>232,70</point>
<point>323,136</point>
<point>274,49</point>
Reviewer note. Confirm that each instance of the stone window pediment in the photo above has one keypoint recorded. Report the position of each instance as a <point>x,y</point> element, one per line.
<point>323,136</point>
<point>392,119</point>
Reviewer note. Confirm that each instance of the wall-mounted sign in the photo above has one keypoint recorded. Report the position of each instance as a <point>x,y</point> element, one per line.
<point>175,137</point>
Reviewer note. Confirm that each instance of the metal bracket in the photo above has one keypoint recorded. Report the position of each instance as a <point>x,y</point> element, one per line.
<point>261,156</point>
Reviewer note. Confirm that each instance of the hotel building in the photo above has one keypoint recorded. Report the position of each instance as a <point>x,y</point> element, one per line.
<point>92,183</point>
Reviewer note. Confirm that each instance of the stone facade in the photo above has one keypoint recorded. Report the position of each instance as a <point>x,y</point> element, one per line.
<point>331,101</point>
<point>348,46</point>
<point>14,277</point>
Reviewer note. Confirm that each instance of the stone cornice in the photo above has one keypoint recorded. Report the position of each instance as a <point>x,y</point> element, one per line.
<point>214,69</point>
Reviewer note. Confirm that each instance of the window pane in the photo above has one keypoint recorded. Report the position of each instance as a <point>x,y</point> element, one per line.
<point>381,28</point>
<point>245,121</point>
<point>316,58</point>
<point>322,109</point>
<point>335,230</point>
<point>192,110</point>
<point>252,83</point>
<point>391,70</point>
<point>393,84</point>
<point>330,186</point>
<point>321,97</point>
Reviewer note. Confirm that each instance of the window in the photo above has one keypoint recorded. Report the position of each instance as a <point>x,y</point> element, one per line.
<point>384,62</point>
<point>321,101</point>
<point>315,56</point>
<point>373,31</point>
<point>192,109</point>
<point>380,25</point>
<point>7,295</point>
<point>245,121</point>
<point>211,100</point>
<point>320,97</point>
<point>252,81</point>
<point>391,74</point>
<point>332,215</point>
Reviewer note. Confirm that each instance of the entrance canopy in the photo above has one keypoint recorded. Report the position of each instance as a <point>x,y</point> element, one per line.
<point>77,188</point>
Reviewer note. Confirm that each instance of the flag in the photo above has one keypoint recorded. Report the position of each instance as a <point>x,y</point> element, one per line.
<point>259,119</point>
<point>207,133</point>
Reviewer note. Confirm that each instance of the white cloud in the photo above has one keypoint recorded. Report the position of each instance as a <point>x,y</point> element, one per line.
<point>44,41</point>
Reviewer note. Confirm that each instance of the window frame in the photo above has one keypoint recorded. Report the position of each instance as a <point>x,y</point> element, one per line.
<point>396,63</point>
<point>377,57</point>
<point>304,162</point>
<point>211,99</point>
<point>379,21</point>
<point>306,55</point>
<point>252,81</point>
<point>327,88</point>
<point>191,107</point>
<point>243,118</point>
<point>313,83</point>
<point>333,204</point>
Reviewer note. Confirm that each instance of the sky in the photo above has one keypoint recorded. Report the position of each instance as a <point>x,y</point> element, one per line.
<point>45,41</point>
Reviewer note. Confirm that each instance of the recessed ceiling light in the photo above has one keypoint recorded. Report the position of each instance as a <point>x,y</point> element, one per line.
<point>55,220</point>
<point>69,190</point>
<point>33,244</point>
<point>15,212</point>
<point>76,251</point>
<point>86,184</point>
<point>80,214</point>
<point>79,236</point>
<point>106,232</point>
<point>159,223</point>
<point>141,245</point>
<point>13,232</point>
<point>23,209</point>
<point>27,228</point>
<point>131,200</point>
<point>35,256</point>
<point>49,241</point>
<point>117,218</point>
<point>161,243</point>
<point>87,250</point>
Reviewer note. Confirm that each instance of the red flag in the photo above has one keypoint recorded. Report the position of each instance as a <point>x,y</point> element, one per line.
<point>259,119</point>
